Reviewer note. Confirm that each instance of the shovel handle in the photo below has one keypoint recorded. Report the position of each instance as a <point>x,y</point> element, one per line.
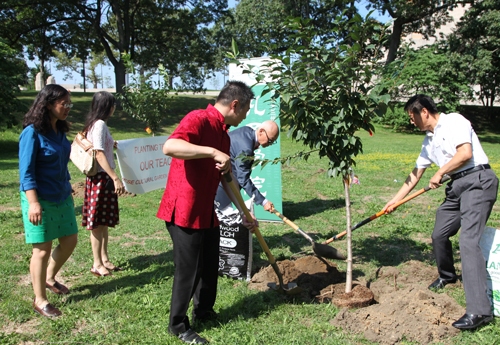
<point>237,194</point>
<point>293,225</point>
<point>380,213</point>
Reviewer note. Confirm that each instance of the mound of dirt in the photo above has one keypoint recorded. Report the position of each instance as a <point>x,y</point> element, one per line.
<point>311,273</point>
<point>78,191</point>
<point>406,309</point>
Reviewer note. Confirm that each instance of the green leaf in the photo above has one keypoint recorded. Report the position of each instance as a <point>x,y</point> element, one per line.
<point>234,48</point>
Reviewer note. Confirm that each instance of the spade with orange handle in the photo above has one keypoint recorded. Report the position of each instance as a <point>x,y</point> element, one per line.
<point>375,216</point>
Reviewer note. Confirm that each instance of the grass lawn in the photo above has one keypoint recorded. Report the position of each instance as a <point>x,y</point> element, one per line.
<point>132,307</point>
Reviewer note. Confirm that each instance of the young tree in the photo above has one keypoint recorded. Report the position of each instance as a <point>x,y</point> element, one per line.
<point>328,92</point>
<point>144,99</point>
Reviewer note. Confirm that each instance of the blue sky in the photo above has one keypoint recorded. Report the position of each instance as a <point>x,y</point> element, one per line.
<point>107,71</point>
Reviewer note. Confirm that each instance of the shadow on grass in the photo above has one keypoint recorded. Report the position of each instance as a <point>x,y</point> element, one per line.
<point>129,283</point>
<point>247,308</point>
<point>14,185</point>
<point>296,210</point>
<point>9,150</point>
<point>489,139</point>
<point>392,251</point>
<point>387,250</point>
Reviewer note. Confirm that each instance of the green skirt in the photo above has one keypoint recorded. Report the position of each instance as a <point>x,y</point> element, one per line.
<point>58,220</point>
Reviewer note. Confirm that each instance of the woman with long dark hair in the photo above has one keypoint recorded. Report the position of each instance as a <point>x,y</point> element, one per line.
<point>46,201</point>
<point>100,206</point>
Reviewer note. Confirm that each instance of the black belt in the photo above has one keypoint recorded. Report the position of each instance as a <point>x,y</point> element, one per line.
<point>470,171</point>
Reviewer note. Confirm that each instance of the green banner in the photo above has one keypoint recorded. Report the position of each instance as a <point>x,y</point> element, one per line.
<point>268,179</point>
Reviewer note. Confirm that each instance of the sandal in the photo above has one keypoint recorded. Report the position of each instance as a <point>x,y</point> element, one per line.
<point>96,272</point>
<point>57,288</point>
<point>113,268</point>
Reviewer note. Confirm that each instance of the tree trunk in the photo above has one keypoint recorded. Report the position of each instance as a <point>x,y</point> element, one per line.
<point>395,41</point>
<point>83,75</point>
<point>42,71</point>
<point>119,76</point>
<point>348,280</point>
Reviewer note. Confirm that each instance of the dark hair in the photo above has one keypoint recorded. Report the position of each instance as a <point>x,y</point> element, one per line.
<point>235,90</point>
<point>38,115</point>
<point>418,102</point>
<point>100,109</point>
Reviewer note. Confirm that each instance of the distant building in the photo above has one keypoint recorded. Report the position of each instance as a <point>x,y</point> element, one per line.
<point>446,29</point>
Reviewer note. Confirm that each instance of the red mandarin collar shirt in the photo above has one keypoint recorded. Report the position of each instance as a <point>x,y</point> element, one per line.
<point>189,196</point>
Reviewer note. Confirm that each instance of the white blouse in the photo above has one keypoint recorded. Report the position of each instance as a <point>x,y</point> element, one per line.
<point>101,138</point>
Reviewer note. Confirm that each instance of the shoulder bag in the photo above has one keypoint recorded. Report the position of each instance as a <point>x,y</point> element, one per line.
<point>83,155</point>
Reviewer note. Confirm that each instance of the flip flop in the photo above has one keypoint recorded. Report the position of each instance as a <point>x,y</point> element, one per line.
<point>96,272</point>
<point>114,268</point>
<point>57,288</point>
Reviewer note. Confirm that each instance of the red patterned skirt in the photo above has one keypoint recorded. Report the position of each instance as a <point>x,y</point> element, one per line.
<point>100,205</point>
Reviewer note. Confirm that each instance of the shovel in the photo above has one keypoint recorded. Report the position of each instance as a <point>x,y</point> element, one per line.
<point>375,216</point>
<point>285,289</point>
<point>319,249</point>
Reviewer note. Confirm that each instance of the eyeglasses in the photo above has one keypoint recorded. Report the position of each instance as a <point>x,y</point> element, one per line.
<point>68,105</point>
<point>269,141</point>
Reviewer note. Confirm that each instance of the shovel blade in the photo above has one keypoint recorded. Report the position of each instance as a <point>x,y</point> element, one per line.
<point>286,289</point>
<point>327,251</point>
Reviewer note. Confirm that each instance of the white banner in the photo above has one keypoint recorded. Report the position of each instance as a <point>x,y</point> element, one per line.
<point>143,166</point>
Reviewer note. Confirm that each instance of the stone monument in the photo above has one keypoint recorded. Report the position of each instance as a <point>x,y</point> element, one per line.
<point>51,80</point>
<point>39,81</point>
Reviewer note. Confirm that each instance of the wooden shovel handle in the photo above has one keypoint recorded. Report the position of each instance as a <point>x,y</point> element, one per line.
<point>293,225</point>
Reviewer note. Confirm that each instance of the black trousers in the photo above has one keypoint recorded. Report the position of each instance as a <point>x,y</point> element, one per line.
<point>196,261</point>
<point>468,205</point>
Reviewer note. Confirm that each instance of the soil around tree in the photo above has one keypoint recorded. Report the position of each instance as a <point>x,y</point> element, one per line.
<point>402,308</point>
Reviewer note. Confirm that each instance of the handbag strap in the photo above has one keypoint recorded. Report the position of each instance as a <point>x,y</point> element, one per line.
<point>84,142</point>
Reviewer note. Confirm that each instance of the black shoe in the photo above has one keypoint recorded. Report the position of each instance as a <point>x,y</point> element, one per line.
<point>191,337</point>
<point>206,316</point>
<point>441,283</point>
<point>470,321</point>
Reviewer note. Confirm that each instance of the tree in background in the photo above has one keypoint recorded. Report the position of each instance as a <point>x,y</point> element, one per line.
<point>74,64</point>
<point>179,40</point>
<point>420,16</point>
<point>259,26</point>
<point>475,50</point>
<point>32,26</point>
<point>328,92</point>
<point>428,70</point>
<point>145,99</point>
<point>13,70</point>
<point>127,26</point>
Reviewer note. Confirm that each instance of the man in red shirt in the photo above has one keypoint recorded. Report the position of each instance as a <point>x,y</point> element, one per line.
<point>199,148</point>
